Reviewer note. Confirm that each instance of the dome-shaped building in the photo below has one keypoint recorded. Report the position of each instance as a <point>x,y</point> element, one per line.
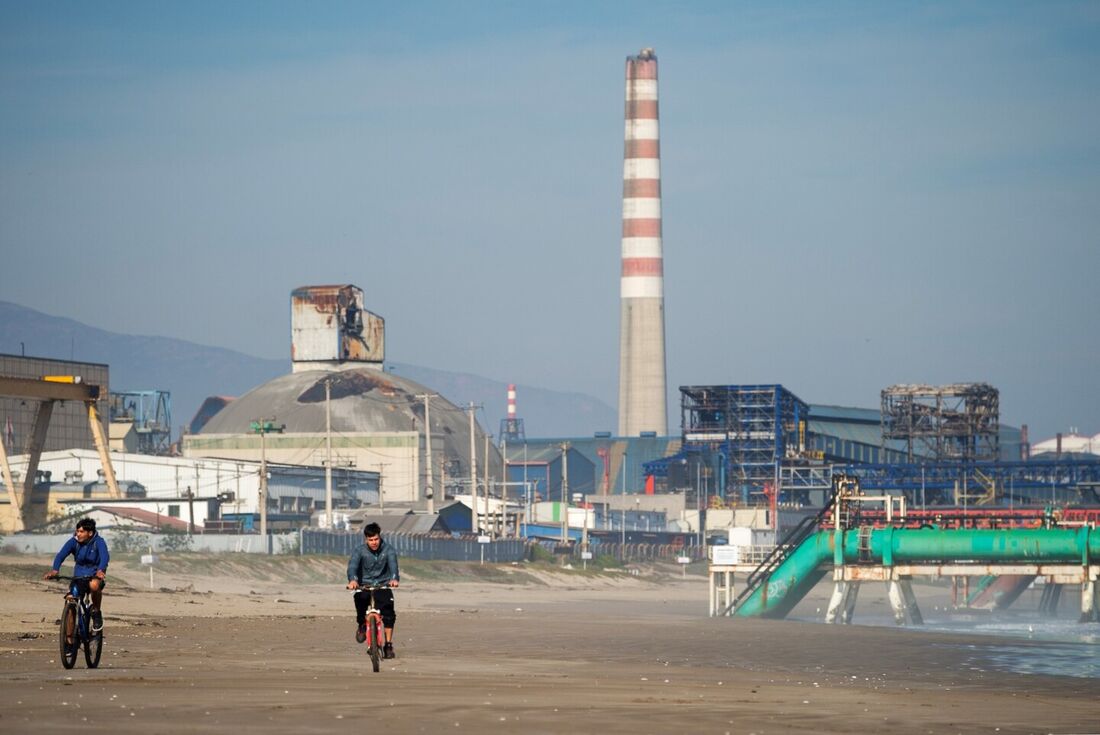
<point>372,419</point>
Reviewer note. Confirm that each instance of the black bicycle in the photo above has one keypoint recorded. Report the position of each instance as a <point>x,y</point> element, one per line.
<point>77,630</point>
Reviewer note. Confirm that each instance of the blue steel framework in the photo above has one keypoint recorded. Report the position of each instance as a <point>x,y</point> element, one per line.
<point>740,431</point>
<point>747,435</point>
<point>1035,481</point>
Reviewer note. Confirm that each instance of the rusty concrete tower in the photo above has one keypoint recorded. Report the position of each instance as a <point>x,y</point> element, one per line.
<point>642,324</point>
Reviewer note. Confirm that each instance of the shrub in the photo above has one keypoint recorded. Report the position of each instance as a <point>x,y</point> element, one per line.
<point>172,540</point>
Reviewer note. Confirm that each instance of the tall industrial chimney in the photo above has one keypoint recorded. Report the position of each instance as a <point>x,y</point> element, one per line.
<point>642,322</point>
<point>511,428</point>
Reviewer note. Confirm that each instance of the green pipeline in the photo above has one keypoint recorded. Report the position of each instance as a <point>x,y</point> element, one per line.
<point>805,567</point>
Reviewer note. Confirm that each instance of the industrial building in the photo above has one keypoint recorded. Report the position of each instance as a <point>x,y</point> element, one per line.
<point>339,407</point>
<point>761,446</point>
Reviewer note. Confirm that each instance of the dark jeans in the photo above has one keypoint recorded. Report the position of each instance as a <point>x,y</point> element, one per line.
<point>83,584</point>
<point>383,600</point>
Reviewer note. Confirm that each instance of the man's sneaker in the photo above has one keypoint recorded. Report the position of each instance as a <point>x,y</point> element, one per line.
<point>97,621</point>
<point>387,651</point>
<point>361,633</point>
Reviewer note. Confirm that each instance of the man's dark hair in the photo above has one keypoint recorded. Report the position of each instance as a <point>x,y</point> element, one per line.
<point>87,524</point>
<point>372,529</point>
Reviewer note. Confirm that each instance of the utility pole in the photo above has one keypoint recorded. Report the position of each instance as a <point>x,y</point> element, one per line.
<point>263,427</point>
<point>474,524</point>
<point>527,503</point>
<point>328,453</point>
<point>190,511</point>
<point>429,491</point>
<point>623,540</point>
<point>488,483</point>
<point>381,496</point>
<point>699,500</point>
<point>263,487</point>
<point>565,493</point>
<point>442,482</point>
<point>504,487</point>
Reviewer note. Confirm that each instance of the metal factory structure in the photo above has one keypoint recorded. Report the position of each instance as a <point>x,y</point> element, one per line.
<point>734,439</point>
<point>754,445</point>
<point>328,325</point>
<point>944,423</point>
<point>642,387</point>
<point>141,421</point>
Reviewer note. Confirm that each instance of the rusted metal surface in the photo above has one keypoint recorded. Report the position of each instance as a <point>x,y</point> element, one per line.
<point>957,421</point>
<point>350,383</point>
<point>329,324</point>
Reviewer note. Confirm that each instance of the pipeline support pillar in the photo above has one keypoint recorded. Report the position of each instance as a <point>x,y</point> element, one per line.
<point>1090,602</point>
<point>903,602</point>
<point>842,603</point>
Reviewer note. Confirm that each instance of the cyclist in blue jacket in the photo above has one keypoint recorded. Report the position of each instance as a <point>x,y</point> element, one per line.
<point>90,551</point>
<point>374,564</point>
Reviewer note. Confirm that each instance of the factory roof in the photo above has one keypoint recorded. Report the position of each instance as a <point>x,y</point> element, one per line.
<point>845,414</point>
<point>362,400</point>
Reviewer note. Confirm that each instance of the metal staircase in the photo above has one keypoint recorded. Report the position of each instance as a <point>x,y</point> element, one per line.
<point>787,546</point>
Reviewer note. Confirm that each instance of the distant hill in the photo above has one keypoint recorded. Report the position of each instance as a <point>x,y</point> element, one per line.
<point>191,372</point>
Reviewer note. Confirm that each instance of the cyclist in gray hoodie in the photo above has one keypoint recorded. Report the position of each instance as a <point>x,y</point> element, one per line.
<point>374,564</point>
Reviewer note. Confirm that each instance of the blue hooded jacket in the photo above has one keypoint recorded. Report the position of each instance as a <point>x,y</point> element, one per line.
<point>91,556</point>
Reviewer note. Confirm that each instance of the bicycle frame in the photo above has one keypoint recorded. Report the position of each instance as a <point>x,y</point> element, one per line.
<point>80,620</point>
<point>83,611</point>
<point>376,630</point>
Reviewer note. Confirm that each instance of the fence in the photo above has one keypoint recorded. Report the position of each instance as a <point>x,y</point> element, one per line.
<point>122,541</point>
<point>628,553</point>
<point>417,546</point>
<point>499,551</point>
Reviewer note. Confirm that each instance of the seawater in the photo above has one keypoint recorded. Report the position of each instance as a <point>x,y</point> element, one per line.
<point>1058,647</point>
<point>1055,647</point>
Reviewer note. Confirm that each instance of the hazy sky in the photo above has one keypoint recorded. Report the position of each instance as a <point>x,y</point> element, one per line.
<point>855,194</point>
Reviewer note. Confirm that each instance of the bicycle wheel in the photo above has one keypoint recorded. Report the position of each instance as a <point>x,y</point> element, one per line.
<point>374,631</point>
<point>93,644</point>
<point>67,629</point>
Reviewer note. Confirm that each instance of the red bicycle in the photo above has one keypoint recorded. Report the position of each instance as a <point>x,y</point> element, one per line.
<point>376,631</point>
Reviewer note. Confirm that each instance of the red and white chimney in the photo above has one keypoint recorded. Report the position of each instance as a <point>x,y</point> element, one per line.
<point>642,391</point>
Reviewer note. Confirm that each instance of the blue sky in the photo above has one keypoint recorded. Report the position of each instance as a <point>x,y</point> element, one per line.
<point>855,194</point>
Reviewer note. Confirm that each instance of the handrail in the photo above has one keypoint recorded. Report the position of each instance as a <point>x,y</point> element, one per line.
<point>781,552</point>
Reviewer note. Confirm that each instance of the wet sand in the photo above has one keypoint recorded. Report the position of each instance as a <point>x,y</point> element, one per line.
<point>211,653</point>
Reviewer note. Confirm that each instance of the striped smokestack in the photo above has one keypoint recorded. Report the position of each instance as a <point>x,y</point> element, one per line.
<point>642,324</point>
